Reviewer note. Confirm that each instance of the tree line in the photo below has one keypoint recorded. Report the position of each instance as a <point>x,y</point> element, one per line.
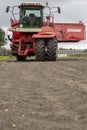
<point>3,50</point>
<point>2,37</point>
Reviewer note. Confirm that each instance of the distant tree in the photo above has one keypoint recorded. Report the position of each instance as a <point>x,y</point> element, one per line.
<point>4,51</point>
<point>62,48</point>
<point>2,37</point>
<point>85,50</point>
<point>70,48</point>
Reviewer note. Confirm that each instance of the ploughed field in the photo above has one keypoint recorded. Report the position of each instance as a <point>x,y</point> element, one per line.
<point>43,95</point>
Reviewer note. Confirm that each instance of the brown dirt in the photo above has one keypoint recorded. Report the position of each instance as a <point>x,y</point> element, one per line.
<point>43,95</point>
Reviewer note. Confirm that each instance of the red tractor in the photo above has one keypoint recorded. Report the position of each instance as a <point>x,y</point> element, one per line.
<point>33,34</point>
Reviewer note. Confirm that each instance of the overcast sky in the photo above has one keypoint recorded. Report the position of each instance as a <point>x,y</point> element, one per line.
<point>71,10</point>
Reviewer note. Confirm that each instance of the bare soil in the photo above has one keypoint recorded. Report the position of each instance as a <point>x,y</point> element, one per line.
<point>43,95</point>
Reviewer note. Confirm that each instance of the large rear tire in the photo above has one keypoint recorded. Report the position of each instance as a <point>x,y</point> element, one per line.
<point>40,50</point>
<point>51,54</point>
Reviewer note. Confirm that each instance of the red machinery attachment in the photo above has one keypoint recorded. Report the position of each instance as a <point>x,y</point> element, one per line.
<point>70,32</point>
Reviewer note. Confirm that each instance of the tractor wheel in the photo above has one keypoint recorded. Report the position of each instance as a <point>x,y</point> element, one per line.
<point>51,53</point>
<point>21,58</point>
<point>40,50</point>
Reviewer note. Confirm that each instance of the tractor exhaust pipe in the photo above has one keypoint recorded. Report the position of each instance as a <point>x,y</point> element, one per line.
<point>46,2</point>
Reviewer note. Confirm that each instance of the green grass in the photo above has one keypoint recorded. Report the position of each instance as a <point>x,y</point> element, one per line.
<point>78,56</point>
<point>4,58</point>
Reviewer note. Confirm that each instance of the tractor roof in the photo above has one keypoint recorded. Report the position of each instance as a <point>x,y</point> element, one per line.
<point>31,4</point>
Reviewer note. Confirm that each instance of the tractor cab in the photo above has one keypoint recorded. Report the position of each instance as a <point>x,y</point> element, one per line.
<point>27,15</point>
<point>31,15</point>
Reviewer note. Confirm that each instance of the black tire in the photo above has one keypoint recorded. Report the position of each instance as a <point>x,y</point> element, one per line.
<point>40,50</point>
<point>21,58</point>
<point>51,54</point>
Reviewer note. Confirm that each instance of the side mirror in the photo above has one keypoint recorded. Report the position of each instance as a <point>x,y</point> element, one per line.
<point>7,9</point>
<point>59,10</point>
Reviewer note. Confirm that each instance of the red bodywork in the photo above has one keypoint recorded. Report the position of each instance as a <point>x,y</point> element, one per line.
<point>24,43</point>
<point>70,32</point>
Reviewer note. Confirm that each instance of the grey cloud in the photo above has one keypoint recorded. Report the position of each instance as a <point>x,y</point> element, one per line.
<point>72,10</point>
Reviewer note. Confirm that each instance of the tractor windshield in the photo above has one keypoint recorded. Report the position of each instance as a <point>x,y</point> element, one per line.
<point>30,18</point>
